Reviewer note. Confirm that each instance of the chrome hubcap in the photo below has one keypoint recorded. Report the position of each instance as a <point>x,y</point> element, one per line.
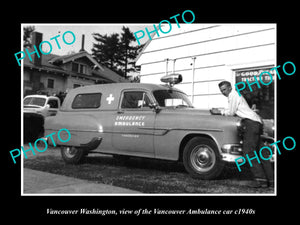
<point>70,152</point>
<point>202,158</point>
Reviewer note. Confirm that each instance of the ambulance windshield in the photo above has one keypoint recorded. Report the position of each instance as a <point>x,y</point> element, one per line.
<point>172,98</point>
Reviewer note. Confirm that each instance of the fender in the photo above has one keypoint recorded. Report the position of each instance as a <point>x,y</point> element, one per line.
<point>87,134</point>
<point>93,144</point>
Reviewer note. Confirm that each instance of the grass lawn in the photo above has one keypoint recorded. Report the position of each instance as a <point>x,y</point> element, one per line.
<point>144,175</point>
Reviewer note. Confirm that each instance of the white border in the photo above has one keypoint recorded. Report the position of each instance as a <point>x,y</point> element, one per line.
<point>116,194</point>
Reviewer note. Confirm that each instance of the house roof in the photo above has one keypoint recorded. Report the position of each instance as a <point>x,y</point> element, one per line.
<point>145,46</point>
<point>52,62</point>
<point>67,58</point>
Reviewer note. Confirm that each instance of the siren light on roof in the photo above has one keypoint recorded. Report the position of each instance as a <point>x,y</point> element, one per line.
<point>172,79</point>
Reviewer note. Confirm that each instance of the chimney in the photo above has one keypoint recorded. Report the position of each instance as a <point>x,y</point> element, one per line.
<point>82,44</point>
<point>36,39</point>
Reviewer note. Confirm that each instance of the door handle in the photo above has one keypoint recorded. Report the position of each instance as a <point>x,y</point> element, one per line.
<point>120,112</point>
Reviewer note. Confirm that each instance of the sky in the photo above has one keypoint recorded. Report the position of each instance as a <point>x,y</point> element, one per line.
<point>52,30</point>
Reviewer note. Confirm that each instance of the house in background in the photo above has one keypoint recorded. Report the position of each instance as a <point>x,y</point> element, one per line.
<point>53,74</point>
<point>206,54</point>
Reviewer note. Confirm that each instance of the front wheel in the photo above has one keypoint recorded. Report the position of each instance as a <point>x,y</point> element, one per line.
<point>71,154</point>
<point>201,158</point>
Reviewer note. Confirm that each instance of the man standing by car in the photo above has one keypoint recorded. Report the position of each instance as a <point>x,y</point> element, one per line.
<point>252,129</point>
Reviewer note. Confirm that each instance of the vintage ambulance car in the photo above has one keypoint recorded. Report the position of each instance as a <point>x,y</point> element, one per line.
<point>145,120</point>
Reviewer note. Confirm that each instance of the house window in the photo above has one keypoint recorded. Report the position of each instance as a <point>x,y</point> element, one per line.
<point>260,99</point>
<point>75,67</point>
<point>50,83</point>
<point>82,68</point>
<point>79,68</point>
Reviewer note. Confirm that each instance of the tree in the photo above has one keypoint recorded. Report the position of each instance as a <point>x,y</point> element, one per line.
<point>128,52</point>
<point>27,36</point>
<point>116,51</point>
<point>106,50</point>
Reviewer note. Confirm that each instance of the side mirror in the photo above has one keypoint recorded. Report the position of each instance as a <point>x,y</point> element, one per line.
<point>154,106</point>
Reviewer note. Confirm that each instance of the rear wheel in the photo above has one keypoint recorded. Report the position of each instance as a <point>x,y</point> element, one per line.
<point>71,154</point>
<point>201,158</point>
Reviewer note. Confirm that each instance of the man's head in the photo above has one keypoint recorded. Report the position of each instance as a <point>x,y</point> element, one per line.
<point>225,88</point>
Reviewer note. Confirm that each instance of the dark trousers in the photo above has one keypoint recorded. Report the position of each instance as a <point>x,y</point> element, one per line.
<point>252,142</point>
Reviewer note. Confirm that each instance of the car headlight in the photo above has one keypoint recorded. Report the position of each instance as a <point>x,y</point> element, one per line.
<point>235,149</point>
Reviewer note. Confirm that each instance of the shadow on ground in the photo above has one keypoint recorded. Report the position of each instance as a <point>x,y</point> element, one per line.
<point>144,175</point>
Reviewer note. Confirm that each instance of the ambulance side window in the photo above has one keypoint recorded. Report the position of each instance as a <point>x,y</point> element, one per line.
<point>135,100</point>
<point>87,101</point>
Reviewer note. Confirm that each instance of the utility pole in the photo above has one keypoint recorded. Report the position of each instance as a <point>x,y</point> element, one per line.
<point>167,61</point>
<point>193,81</point>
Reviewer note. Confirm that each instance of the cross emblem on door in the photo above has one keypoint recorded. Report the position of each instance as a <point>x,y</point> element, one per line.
<point>110,98</point>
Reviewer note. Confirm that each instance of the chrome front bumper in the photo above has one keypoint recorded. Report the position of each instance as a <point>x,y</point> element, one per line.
<point>231,152</point>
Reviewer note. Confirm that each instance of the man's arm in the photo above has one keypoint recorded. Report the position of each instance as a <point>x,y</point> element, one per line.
<point>215,111</point>
<point>233,103</point>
